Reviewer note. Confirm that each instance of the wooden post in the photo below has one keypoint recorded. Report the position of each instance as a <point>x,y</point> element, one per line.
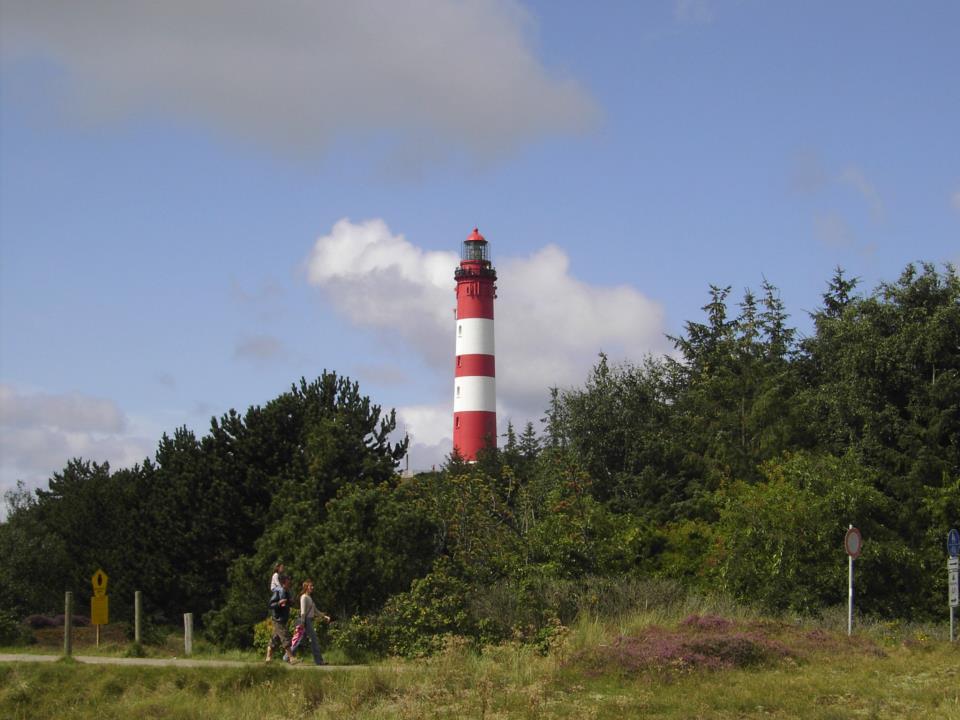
<point>188,633</point>
<point>137,616</point>
<point>68,625</point>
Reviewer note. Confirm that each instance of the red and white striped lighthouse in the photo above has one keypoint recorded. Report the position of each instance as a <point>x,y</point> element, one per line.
<point>474,392</point>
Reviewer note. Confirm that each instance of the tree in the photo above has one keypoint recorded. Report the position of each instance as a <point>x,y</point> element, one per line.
<point>780,541</point>
<point>883,377</point>
<point>321,447</point>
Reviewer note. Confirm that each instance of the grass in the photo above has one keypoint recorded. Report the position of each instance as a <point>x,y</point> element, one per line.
<point>630,666</point>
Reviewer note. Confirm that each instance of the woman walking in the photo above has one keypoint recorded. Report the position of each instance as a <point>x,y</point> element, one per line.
<point>308,613</point>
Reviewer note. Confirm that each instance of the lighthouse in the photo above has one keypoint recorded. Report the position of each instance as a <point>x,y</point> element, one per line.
<point>474,390</point>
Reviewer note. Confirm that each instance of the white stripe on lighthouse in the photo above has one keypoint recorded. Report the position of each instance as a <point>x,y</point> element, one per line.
<point>475,336</point>
<point>474,392</point>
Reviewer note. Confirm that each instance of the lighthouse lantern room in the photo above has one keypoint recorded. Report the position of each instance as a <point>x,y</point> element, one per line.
<point>474,393</point>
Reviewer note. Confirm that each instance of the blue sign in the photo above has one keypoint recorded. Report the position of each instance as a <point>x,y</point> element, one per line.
<point>953,542</point>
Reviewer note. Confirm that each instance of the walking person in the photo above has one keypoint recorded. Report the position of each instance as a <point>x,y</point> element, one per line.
<point>308,613</point>
<point>280,614</point>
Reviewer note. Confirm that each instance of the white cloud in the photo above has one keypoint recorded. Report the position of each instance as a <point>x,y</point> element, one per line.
<point>955,200</point>
<point>296,75</point>
<point>381,280</point>
<point>550,325</point>
<point>39,432</point>
<point>69,412</point>
<point>422,457</point>
<point>426,424</point>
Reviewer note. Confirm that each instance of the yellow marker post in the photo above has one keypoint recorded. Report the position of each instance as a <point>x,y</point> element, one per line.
<point>99,604</point>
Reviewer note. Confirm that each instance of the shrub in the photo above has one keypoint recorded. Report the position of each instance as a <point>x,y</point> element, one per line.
<point>14,632</point>
<point>416,622</point>
<point>360,638</point>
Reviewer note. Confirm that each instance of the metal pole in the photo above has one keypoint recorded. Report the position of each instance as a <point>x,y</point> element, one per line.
<point>137,616</point>
<point>68,625</point>
<point>188,633</point>
<point>850,594</point>
<point>953,637</point>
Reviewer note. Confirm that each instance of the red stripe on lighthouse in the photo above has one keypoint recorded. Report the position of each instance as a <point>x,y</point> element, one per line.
<point>474,431</point>
<point>475,365</point>
<point>474,306</point>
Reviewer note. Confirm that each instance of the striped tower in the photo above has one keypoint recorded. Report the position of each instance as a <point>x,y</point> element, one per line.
<point>474,392</point>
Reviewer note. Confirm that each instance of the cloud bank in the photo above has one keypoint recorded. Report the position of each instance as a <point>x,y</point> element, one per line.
<point>39,432</point>
<point>297,75</point>
<point>550,325</point>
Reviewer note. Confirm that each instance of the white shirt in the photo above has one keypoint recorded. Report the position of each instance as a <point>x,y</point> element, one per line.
<point>307,608</point>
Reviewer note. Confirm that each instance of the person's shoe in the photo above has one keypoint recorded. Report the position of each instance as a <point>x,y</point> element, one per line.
<point>293,661</point>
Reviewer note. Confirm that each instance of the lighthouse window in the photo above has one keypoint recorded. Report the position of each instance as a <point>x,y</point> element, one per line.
<point>458,421</point>
<point>459,330</point>
<point>459,359</point>
<point>458,391</point>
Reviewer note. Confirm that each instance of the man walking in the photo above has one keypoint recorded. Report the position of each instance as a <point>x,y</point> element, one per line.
<point>280,614</point>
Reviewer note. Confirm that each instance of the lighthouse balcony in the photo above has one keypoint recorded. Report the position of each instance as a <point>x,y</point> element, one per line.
<point>462,272</point>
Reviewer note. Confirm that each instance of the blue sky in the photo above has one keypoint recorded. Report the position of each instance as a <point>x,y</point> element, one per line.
<point>202,202</point>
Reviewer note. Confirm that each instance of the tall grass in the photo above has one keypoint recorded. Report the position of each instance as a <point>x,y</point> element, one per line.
<point>907,680</point>
<point>888,670</point>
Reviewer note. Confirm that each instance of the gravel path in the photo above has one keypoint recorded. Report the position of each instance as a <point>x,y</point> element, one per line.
<point>162,662</point>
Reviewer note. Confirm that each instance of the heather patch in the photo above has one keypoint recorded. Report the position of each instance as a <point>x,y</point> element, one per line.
<point>699,643</point>
<point>708,623</point>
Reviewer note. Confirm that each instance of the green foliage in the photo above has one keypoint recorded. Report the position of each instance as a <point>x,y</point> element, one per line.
<point>13,631</point>
<point>684,552</point>
<point>578,535</point>
<point>230,625</point>
<point>780,542</point>
<point>475,518</point>
<point>360,638</point>
<point>328,515</point>
<point>416,622</point>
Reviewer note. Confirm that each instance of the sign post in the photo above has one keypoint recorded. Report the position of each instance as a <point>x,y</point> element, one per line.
<point>853,544</point>
<point>99,608</point>
<point>953,578</point>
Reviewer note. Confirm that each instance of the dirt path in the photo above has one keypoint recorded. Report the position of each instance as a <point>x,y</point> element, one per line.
<point>162,662</point>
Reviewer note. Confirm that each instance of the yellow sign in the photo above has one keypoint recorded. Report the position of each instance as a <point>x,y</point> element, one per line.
<point>99,580</point>
<point>99,610</point>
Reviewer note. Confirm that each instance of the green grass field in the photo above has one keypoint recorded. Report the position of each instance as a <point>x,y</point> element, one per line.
<point>646,665</point>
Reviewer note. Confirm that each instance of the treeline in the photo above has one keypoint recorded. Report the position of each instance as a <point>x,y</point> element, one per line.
<point>733,466</point>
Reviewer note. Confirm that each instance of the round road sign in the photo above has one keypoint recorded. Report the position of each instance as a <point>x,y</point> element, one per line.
<point>853,543</point>
<point>953,542</point>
